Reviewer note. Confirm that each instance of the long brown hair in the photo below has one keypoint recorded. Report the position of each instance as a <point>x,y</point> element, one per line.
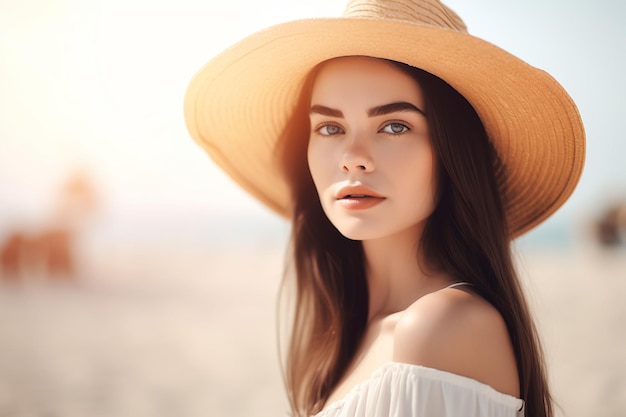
<point>466,237</point>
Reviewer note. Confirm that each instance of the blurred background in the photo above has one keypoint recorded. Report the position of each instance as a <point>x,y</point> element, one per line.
<point>137,280</point>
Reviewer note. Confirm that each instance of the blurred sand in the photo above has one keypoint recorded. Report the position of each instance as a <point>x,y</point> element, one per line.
<point>579,298</point>
<point>193,334</point>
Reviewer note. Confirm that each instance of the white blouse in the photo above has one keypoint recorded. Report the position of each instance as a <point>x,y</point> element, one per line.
<point>405,390</point>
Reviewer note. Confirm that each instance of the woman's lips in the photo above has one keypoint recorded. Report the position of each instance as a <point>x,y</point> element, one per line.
<point>358,197</point>
<point>359,203</point>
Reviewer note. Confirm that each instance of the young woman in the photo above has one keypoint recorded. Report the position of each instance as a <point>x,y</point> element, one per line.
<point>407,155</point>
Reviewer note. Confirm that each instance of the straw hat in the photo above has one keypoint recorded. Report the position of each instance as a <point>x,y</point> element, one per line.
<point>238,104</point>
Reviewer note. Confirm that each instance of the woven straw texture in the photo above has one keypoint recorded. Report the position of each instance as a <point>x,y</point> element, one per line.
<point>238,105</point>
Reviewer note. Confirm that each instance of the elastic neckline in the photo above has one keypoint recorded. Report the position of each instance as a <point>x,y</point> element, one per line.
<point>432,374</point>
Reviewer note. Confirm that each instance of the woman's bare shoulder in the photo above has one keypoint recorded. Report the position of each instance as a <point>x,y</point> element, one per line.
<point>457,331</point>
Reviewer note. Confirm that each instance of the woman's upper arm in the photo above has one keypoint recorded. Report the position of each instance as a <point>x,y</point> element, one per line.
<point>458,332</point>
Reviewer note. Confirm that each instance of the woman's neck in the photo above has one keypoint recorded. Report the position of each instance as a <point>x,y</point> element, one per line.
<point>395,274</point>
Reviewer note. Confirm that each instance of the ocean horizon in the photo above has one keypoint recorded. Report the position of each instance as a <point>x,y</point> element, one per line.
<point>203,227</point>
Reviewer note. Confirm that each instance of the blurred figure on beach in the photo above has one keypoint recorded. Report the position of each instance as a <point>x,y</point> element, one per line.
<point>48,250</point>
<point>611,227</point>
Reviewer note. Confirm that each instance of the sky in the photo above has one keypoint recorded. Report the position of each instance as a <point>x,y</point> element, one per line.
<point>98,85</point>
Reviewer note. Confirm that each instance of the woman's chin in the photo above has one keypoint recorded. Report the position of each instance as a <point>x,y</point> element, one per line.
<point>359,229</point>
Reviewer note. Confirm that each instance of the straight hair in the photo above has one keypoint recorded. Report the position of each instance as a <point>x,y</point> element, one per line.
<point>465,237</point>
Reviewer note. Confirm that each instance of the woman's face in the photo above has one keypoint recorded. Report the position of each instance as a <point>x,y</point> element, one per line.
<point>370,152</point>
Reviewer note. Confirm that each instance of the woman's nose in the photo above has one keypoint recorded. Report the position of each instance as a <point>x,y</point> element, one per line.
<point>356,157</point>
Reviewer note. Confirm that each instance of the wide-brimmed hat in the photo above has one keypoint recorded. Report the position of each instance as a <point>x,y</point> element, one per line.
<point>238,105</point>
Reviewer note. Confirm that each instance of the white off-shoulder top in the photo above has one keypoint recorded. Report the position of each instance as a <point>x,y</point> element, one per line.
<point>405,390</point>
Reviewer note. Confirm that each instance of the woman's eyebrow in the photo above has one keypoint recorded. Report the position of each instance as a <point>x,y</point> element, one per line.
<point>398,106</point>
<point>325,111</point>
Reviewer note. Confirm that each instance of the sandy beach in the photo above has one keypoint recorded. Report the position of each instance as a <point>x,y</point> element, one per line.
<point>192,333</point>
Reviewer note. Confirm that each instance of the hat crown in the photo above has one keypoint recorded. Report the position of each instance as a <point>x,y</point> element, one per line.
<point>418,12</point>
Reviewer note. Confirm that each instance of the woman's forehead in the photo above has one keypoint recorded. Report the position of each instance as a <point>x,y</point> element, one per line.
<point>364,79</point>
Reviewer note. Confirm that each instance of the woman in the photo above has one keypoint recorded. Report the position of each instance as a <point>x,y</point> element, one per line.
<point>407,155</point>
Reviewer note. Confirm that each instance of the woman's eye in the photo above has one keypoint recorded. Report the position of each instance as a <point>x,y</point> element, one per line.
<point>329,130</point>
<point>395,128</point>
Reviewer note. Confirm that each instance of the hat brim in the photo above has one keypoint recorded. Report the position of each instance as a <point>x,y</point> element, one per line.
<point>237,106</point>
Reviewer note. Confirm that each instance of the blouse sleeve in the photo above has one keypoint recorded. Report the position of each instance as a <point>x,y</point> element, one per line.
<point>404,390</point>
